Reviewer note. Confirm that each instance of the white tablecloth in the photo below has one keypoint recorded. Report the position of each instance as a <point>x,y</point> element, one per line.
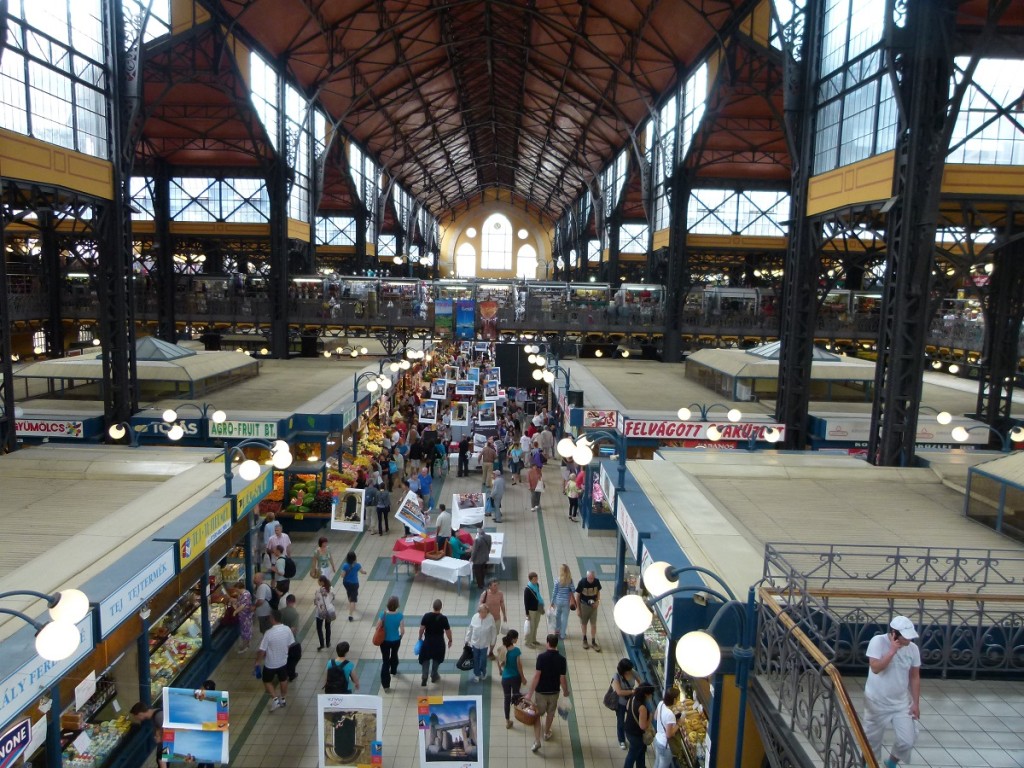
<point>447,569</point>
<point>497,549</point>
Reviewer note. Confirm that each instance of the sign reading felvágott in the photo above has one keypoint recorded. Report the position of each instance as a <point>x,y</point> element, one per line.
<point>241,430</point>
<point>199,538</point>
<point>694,430</point>
<point>23,687</point>
<point>122,603</point>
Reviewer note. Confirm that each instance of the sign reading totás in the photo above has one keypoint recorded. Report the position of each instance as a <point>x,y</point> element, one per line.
<point>199,538</point>
<point>695,430</point>
<point>64,428</point>
<point>241,430</point>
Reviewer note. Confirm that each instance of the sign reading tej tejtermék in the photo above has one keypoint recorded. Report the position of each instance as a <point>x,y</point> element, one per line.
<point>240,430</point>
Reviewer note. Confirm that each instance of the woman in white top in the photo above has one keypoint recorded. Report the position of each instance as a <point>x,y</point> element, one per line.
<point>480,637</point>
<point>666,725</point>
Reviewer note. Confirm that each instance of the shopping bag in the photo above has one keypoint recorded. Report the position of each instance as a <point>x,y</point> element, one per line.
<point>526,628</point>
<point>564,707</point>
<point>465,662</point>
<point>552,619</point>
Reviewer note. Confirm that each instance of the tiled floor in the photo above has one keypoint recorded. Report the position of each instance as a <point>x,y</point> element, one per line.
<point>533,542</point>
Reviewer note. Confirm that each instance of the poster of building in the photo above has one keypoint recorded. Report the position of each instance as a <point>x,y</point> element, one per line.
<point>491,390</point>
<point>460,414</point>
<point>410,514</point>
<point>443,318</point>
<point>465,319</point>
<point>487,413</point>
<point>450,732</point>
<point>468,509</point>
<point>350,730</point>
<point>428,412</point>
<point>493,374</point>
<point>348,511</point>
<point>439,389</point>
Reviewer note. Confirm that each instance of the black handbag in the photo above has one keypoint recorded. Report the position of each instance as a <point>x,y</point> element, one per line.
<point>465,662</point>
<point>611,699</point>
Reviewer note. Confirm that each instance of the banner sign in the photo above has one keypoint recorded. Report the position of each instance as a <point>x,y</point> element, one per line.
<point>629,532</point>
<point>443,318</point>
<point>14,743</point>
<point>673,429</point>
<point>853,429</point>
<point>135,592</point>
<point>195,542</point>
<point>593,419</point>
<point>72,429</point>
<point>253,494</point>
<point>465,319</point>
<point>241,430</point>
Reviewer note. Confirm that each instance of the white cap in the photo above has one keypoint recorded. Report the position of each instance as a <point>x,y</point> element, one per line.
<point>904,626</point>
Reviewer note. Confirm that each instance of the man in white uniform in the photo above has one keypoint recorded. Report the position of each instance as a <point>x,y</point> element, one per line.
<point>893,690</point>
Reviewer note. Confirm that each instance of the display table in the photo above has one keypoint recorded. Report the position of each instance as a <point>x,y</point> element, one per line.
<point>412,550</point>
<point>497,556</point>
<point>448,569</point>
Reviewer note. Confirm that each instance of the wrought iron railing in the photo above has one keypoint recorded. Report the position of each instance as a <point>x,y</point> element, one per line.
<point>807,689</point>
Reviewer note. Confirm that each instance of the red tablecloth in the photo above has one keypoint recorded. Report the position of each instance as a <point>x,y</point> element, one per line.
<point>413,549</point>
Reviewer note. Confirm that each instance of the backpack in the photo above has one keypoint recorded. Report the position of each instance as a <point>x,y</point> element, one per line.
<point>337,680</point>
<point>289,567</point>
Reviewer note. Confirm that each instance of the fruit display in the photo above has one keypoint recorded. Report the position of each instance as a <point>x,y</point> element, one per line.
<point>104,738</point>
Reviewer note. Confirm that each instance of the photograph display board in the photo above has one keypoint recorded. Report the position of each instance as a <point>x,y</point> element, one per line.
<point>410,514</point>
<point>428,412</point>
<point>439,389</point>
<point>465,387</point>
<point>450,732</point>
<point>348,512</point>
<point>468,509</point>
<point>487,413</point>
<point>350,730</point>
<point>460,414</point>
<point>491,390</point>
<point>196,723</point>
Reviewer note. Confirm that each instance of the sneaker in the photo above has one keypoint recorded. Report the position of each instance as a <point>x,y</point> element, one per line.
<point>535,747</point>
<point>423,683</point>
<point>586,645</point>
<point>890,763</point>
<point>275,704</point>
<point>622,745</point>
<point>547,736</point>
<point>595,646</point>
<point>351,619</point>
<point>283,702</point>
<point>319,648</point>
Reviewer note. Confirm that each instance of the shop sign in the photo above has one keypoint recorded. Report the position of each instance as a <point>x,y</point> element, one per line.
<point>849,429</point>
<point>14,743</point>
<point>133,594</point>
<point>674,429</point>
<point>62,428</point>
<point>628,528</point>
<point>253,493</point>
<point>191,427</point>
<point>241,430</point>
<point>663,606</point>
<point>593,419</point>
<point>23,688</point>
<point>195,542</point>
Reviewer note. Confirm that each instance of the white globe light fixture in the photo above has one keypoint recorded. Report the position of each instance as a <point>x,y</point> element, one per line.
<point>959,434</point>
<point>954,369</point>
<point>72,606</point>
<point>363,350</point>
<point>280,445</point>
<point>632,615</point>
<point>117,431</point>
<point>1017,434</point>
<point>582,455</point>
<point>772,435</point>
<point>405,365</point>
<point>57,640</point>
<point>327,353</point>
<point>549,377</point>
<point>684,414</point>
<point>385,383</point>
<point>625,353</point>
<point>656,579</point>
<point>531,359</point>
<point>170,416</point>
<point>944,417</point>
<point>354,353</point>
<point>714,433</point>
<point>281,460</point>
<point>218,417</point>
<point>540,361</point>
<point>566,447</point>
<point>371,385</point>
<point>538,374</point>
<point>698,654</point>
<point>598,353</point>
<point>394,367</point>
<point>176,432</point>
<point>734,415</point>
<point>249,470</point>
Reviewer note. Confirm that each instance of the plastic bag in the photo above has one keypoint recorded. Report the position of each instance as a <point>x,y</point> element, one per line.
<point>552,619</point>
<point>526,628</point>
<point>564,707</point>
<point>417,647</point>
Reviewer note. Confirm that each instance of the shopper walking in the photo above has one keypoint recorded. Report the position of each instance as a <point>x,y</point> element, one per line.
<point>241,602</point>
<point>638,717</point>
<point>393,623</point>
<point>341,672</point>
<point>487,458</point>
<point>892,693</point>
<point>463,463</point>
<point>434,630</point>
<point>494,599</point>
<point>573,492</point>
<point>325,612</point>
<point>479,555</point>
<point>535,479</point>
<point>588,600</point>
<point>323,560</point>
<point>624,683</point>
<point>548,679</point>
<point>497,494</point>
<point>351,569</point>
<point>480,637</point>
<point>563,599</point>
<point>510,665</point>
<point>261,601</point>
<point>443,530</point>
<point>383,510</point>
<point>533,604</point>
<point>273,656</point>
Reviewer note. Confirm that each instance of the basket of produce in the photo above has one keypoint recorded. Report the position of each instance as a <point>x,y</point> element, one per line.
<point>526,712</point>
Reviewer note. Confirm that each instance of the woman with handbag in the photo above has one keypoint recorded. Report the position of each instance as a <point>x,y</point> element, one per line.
<point>624,684</point>
<point>323,604</point>
<point>638,720</point>
<point>391,629</point>
<point>563,599</point>
<point>510,664</point>
<point>323,561</point>
<point>480,637</point>
<point>667,725</point>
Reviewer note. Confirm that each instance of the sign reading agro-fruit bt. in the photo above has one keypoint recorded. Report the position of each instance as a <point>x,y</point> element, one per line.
<point>242,430</point>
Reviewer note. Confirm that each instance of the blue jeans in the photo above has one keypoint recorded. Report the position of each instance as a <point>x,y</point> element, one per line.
<point>620,718</point>
<point>480,661</point>
<point>636,751</point>
<point>662,755</point>
<point>563,618</point>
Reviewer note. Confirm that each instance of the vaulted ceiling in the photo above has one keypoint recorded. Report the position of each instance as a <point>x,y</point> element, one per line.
<point>458,98</point>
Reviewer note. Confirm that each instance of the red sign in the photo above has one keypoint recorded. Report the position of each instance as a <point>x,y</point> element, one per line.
<point>696,430</point>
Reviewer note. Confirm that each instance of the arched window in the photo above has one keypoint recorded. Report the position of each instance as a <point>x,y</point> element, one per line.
<point>465,261</point>
<point>526,263</point>
<point>496,243</point>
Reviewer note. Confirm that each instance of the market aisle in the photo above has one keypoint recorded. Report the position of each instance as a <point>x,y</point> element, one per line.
<point>540,543</point>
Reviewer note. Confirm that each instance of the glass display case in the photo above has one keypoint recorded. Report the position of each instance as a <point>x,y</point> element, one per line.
<point>91,734</point>
<point>693,723</point>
